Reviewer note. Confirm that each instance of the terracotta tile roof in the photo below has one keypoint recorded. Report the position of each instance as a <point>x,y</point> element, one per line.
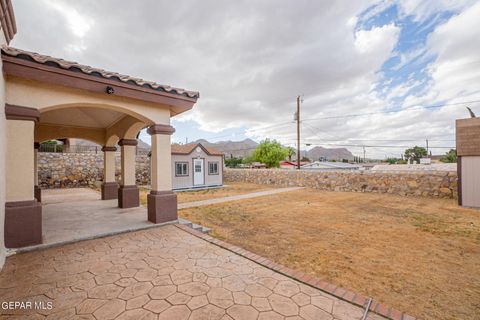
<point>76,67</point>
<point>188,148</point>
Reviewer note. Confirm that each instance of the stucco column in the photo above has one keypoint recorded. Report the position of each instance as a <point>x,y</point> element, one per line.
<point>128,193</point>
<point>36,188</point>
<point>23,213</point>
<point>109,185</point>
<point>162,202</point>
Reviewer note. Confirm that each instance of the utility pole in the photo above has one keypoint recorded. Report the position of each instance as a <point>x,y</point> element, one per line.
<point>298,132</point>
<point>363,154</point>
<point>426,140</point>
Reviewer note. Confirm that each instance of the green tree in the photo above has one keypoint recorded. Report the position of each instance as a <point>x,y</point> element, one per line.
<point>392,160</point>
<point>50,142</point>
<point>450,156</point>
<point>291,153</point>
<point>305,159</point>
<point>248,160</point>
<point>416,153</point>
<point>233,162</point>
<point>270,152</point>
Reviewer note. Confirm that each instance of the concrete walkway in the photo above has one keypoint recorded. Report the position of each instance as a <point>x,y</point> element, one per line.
<point>234,198</point>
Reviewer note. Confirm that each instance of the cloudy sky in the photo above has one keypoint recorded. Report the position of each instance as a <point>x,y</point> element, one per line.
<point>374,73</point>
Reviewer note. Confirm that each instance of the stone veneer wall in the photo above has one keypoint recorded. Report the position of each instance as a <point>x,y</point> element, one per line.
<point>437,184</point>
<point>68,170</point>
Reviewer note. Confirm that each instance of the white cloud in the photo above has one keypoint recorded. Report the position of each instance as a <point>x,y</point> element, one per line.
<point>422,10</point>
<point>250,60</point>
<point>455,73</point>
<point>378,40</point>
<point>78,23</point>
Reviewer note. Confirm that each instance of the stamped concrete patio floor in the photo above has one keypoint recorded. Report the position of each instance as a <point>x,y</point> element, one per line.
<point>159,273</point>
<point>77,214</point>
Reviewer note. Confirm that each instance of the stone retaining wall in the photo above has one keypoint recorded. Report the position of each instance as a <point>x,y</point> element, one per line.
<point>437,184</point>
<point>68,170</point>
<point>65,170</point>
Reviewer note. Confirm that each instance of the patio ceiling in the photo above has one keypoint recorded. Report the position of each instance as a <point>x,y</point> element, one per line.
<point>81,117</point>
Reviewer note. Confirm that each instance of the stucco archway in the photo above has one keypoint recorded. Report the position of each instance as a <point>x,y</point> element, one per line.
<point>48,98</point>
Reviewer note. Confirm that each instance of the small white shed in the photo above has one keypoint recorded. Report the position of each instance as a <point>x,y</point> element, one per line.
<point>196,166</point>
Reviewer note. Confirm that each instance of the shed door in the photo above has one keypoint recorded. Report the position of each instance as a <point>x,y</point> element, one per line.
<point>198,176</point>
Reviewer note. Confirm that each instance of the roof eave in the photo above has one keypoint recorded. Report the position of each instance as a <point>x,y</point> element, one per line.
<point>7,19</point>
<point>22,68</point>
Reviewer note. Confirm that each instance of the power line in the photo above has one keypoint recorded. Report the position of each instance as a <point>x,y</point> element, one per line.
<point>297,117</point>
<point>376,146</point>
<point>271,126</point>
<point>413,108</point>
<point>408,108</point>
<point>400,140</point>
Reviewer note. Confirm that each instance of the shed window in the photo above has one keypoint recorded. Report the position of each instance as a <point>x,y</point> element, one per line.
<point>181,168</point>
<point>213,168</point>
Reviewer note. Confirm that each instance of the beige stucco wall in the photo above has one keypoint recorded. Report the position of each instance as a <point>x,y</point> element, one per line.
<point>161,176</point>
<point>3,140</point>
<point>109,166</point>
<point>128,165</point>
<point>35,167</point>
<point>49,97</point>
<point>187,181</point>
<point>19,160</point>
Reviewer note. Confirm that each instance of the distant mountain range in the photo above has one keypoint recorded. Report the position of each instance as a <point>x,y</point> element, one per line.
<point>337,154</point>
<point>244,148</point>
<point>237,149</point>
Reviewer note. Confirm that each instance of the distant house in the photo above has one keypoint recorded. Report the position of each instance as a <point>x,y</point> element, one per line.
<point>326,165</point>
<point>291,164</point>
<point>196,166</point>
<point>416,167</point>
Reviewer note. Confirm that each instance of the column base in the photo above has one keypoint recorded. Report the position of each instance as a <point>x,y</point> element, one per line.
<point>23,223</point>
<point>162,206</point>
<point>37,193</point>
<point>128,197</point>
<point>109,190</point>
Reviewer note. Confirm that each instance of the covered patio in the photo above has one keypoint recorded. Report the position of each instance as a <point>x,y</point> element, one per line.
<point>49,98</point>
<point>67,216</point>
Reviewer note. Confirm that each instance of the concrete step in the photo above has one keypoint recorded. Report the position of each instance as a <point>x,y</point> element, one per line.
<point>194,226</point>
<point>185,222</point>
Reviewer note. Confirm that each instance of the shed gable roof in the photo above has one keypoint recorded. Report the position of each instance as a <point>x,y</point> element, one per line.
<point>188,149</point>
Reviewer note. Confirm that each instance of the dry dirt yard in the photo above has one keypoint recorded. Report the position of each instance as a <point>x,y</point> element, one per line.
<point>419,255</point>
<point>230,189</point>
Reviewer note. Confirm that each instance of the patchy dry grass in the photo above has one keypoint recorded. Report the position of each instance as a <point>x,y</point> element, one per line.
<point>419,255</point>
<point>231,189</point>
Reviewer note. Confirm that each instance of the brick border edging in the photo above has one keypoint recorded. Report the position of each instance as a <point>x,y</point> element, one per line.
<point>299,276</point>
